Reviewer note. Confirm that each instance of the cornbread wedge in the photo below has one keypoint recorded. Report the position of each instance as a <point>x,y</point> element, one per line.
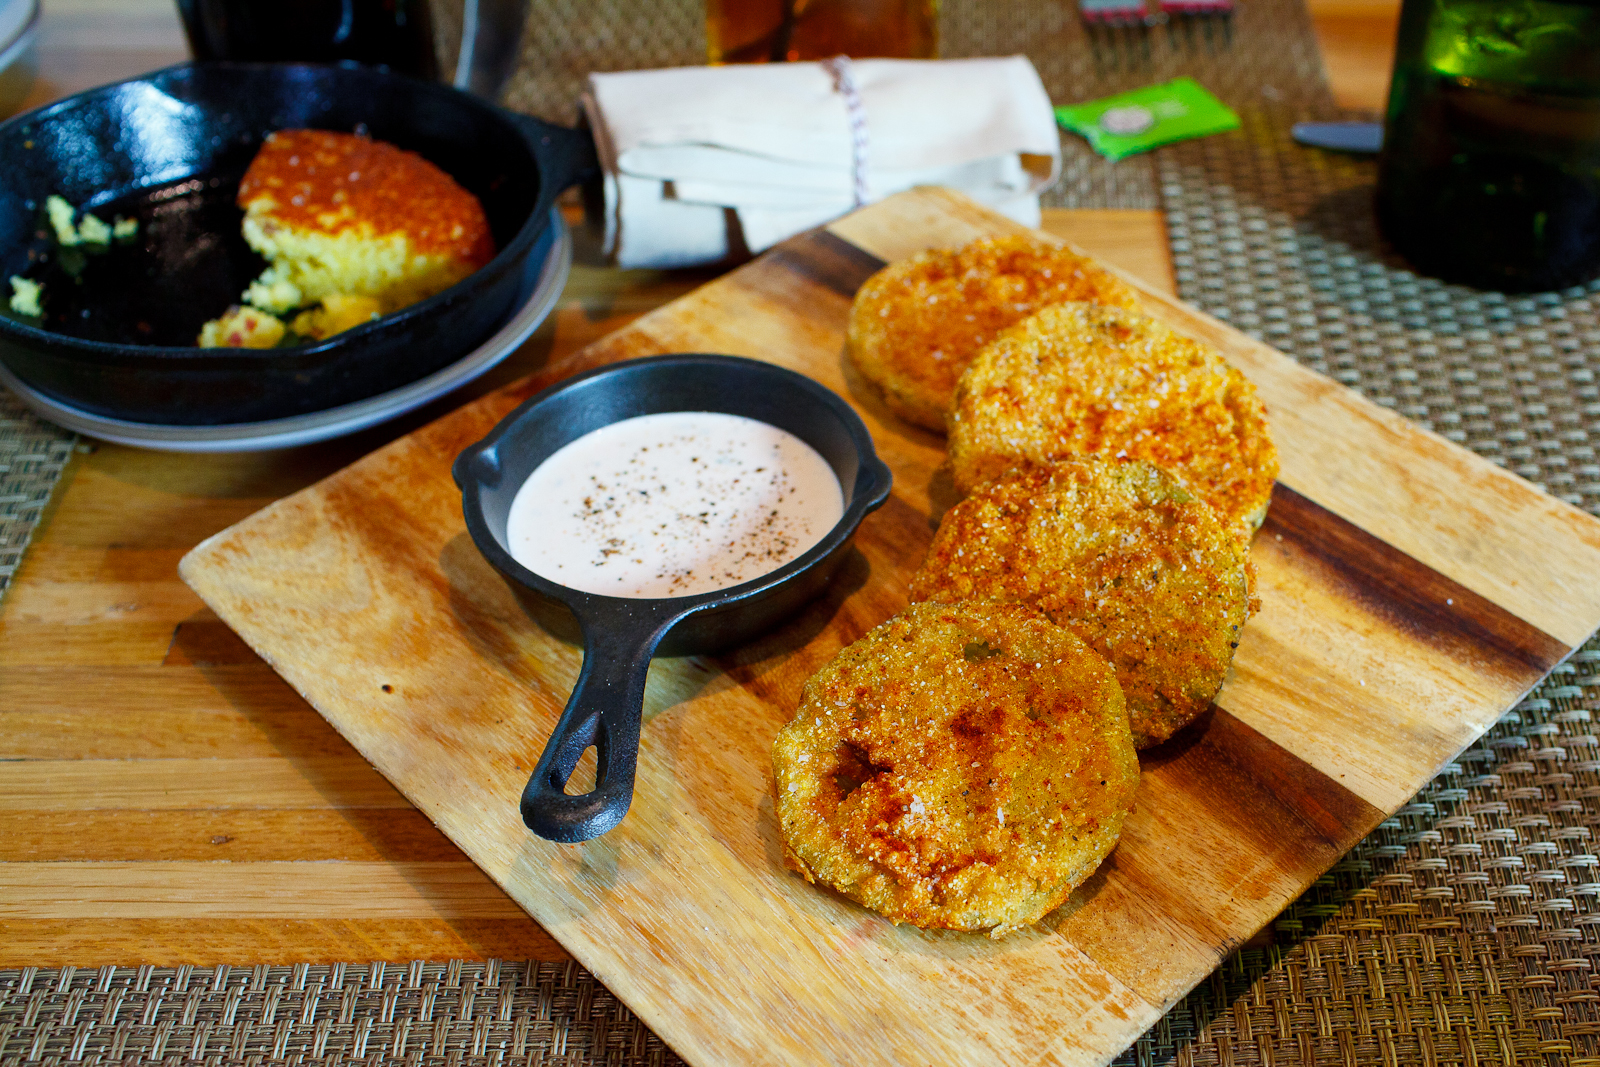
<point>339,214</point>
<point>242,327</point>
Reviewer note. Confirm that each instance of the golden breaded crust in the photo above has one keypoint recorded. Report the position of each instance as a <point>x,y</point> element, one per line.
<point>1123,556</point>
<point>960,766</point>
<point>917,323</point>
<point>320,180</point>
<point>1080,379</point>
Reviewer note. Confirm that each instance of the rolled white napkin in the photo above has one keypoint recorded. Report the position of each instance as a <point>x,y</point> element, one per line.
<point>701,162</point>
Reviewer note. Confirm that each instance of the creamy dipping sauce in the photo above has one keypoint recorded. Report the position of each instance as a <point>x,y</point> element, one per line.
<point>672,505</point>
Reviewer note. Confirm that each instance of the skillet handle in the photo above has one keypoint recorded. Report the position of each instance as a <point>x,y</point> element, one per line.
<point>604,711</point>
<point>566,157</point>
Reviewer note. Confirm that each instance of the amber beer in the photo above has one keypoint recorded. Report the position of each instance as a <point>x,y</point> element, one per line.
<point>772,31</point>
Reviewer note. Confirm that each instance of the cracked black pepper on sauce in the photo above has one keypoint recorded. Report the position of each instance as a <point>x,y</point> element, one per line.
<point>672,505</point>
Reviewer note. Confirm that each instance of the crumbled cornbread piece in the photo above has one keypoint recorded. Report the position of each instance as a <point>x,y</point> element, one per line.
<point>25,296</point>
<point>338,313</point>
<point>242,327</point>
<point>89,230</point>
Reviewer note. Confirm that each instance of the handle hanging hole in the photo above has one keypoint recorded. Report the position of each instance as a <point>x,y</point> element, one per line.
<point>582,779</point>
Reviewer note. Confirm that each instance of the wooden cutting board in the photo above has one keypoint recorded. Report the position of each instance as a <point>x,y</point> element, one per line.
<point>1412,592</point>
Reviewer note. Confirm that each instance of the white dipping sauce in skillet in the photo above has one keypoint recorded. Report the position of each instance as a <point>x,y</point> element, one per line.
<point>671,505</point>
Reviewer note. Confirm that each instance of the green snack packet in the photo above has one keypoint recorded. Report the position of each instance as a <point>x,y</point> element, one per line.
<point>1138,121</point>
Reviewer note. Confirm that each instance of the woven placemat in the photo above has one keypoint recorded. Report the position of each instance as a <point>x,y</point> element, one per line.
<point>546,1014</point>
<point>1465,930</point>
<point>33,456</point>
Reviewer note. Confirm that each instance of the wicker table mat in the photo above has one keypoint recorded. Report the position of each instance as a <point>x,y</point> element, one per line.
<point>33,455</point>
<point>1465,930</point>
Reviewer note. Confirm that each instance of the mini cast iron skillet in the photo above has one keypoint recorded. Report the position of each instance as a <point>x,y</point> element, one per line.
<point>619,635</point>
<point>169,149</point>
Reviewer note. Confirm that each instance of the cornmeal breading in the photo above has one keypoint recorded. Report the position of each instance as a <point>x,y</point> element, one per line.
<point>1080,379</point>
<point>960,766</point>
<point>917,323</point>
<point>1123,556</point>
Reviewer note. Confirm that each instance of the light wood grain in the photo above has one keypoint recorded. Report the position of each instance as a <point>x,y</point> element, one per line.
<point>341,781</point>
<point>1389,638</point>
<point>1356,39</point>
<point>236,837</point>
<point>209,941</point>
<point>1134,242</point>
<point>295,890</point>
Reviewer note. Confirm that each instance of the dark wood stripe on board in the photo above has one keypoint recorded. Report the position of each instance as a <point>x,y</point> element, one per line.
<point>1262,786</point>
<point>827,260</point>
<point>1434,609</point>
<point>1267,823</point>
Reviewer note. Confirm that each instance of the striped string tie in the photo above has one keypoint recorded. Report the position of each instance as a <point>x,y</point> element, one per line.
<point>844,83</point>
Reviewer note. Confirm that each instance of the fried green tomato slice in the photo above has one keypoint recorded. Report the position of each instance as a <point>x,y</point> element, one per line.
<point>917,323</point>
<point>1080,379</point>
<point>960,766</point>
<point>1122,555</point>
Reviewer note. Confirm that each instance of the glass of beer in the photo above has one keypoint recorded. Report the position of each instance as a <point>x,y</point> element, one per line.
<point>1491,161</point>
<point>775,31</point>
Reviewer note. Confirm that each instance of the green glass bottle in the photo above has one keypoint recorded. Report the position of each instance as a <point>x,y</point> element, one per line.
<point>1490,172</point>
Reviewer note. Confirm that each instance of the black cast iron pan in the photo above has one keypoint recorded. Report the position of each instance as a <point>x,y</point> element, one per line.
<point>620,635</point>
<point>169,149</point>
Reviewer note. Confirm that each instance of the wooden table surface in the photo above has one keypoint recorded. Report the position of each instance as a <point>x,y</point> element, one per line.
<point>164,797</point>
